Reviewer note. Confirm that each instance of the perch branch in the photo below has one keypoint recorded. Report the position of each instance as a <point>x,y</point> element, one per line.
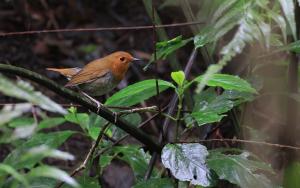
<point>76,98</point>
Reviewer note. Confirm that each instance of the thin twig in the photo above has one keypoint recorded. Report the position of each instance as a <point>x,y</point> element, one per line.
<point>154,156</point>
<point>248,142</point>
<point>89,155</point>
<point>144,27</point>
<point>139,110</point>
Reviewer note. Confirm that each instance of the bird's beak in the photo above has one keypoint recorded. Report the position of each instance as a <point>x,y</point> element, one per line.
<point>136,59</point>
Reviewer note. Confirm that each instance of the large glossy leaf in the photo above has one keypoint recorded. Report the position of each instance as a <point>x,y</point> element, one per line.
<point>240,170</point>
<point>138,92</point>
<point>187,162</point>
<point>228,82</point>
<point>52,140</point>
<point>23,90</point>
<point>52,172</point>
<point>155,183</point>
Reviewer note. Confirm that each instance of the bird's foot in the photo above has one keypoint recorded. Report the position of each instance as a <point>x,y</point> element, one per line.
<point>116,116</point>
<point>99,104</point>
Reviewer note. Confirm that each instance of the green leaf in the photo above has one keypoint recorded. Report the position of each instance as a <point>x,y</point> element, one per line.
<point>21,121</point>
<point>138,92</point>
<point>288,10</point>
<point>165,48</point>
<point>52,172</point>
<point>52,140</point>
<point>238,169</point>
<point>42,182</point>
<point>51,122</point>
<point>10,112</point>
<point>81,119</point>
<point>293,47</point>
<point>88,182</point>
<point>204,37</point>
<point>23,90</point>
<point>187,162</point>
<point>178,77</point>
<point>155,183</point>
<point>291,176</point>
<point>136,158</point>
<point>210,108</point>
<point>88,48</point>
<point>42,151</point>
<point>15,174</point>
<point>203,118</point>
<point>105,160</point>
<point>228,82</point>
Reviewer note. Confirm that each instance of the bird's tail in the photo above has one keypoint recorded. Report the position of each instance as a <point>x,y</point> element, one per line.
<point>67,72</point>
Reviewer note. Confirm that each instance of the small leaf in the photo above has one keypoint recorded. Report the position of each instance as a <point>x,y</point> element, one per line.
<point>239,170</point>
<point>228,82</point>
<point>187,162</point>
<point>15,174</point>
<point>178,77</point>
<point>52,172</point>
<point>23,90</point>
<point>203,37</point>
<point>165,48</point>
<point>138,92</point>
<point>105,160</point>
<point>88,182</point>
<point>136,158</point>
<point>203,118</point>
<point>155,183</point>
<point>20,122</point>
<point>51,122</point>
<point>81,119</point>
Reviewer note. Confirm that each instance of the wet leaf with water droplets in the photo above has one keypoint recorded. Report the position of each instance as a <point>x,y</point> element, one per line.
<point>187,162</point>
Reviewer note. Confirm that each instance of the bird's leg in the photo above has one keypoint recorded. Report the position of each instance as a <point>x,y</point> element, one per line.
<point>99,104</point>
<point>116,114</point>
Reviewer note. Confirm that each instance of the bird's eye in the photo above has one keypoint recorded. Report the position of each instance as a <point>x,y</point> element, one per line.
<point>122,58</point>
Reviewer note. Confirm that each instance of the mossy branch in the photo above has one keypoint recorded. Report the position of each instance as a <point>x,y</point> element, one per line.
<point>76,98</point>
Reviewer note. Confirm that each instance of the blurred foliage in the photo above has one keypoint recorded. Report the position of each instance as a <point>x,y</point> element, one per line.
<point>34,137</point>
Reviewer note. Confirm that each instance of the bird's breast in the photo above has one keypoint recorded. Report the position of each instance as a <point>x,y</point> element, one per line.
<point>100,86</point>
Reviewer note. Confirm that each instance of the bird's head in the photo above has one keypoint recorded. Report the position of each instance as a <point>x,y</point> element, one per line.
<point>121,61</point>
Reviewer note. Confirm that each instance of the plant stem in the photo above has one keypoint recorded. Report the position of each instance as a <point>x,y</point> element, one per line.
<point>178,115</point>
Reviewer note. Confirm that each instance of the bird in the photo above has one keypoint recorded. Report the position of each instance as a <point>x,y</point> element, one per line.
<point>99,76</point>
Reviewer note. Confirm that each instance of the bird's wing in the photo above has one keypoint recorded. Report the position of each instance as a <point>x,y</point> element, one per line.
<point>86,75</point>
<point>68,72</point>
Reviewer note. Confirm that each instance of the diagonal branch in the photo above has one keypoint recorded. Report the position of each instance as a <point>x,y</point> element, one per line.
<point>76,98</point>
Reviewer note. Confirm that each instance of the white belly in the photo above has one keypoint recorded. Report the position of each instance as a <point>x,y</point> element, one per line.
<point>100,86</point>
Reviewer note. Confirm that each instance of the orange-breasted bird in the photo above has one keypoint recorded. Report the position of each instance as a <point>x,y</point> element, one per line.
<point>99,76</point>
